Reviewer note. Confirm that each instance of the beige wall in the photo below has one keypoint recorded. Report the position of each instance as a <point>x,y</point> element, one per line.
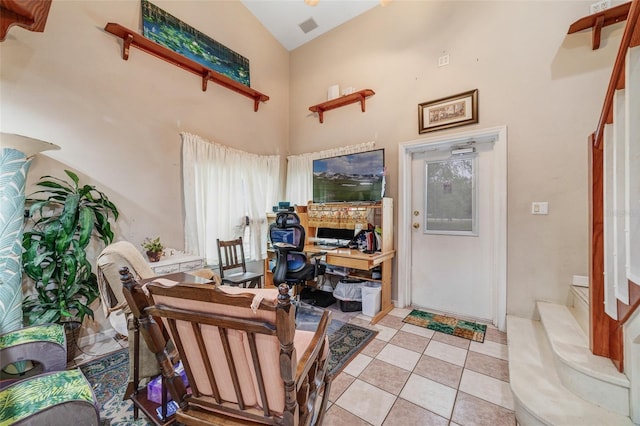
<point>118,122</point>
<point>545,86</point>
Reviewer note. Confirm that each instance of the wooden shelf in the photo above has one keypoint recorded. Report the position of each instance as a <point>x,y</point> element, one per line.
<point>149,407</point>
<point>599,20</point>
<point>358,96</point>
<point>131,38</point>
<point>31,15</point>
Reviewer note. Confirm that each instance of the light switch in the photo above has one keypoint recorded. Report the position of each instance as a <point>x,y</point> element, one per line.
<point>540,207</point>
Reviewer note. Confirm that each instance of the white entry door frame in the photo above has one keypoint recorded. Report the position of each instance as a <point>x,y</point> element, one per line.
<point>405,152</point>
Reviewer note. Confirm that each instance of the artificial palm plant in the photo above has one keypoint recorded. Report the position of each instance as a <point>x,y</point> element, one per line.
<point>55,246</point>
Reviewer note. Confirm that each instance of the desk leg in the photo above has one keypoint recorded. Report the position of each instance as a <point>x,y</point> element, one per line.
<point>385,299</point>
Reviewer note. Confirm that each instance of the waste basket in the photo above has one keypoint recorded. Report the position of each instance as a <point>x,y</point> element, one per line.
<point>371,293</point>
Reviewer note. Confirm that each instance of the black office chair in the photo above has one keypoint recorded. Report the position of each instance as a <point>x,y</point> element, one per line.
<point>287,239</point>
<point>233,269</point>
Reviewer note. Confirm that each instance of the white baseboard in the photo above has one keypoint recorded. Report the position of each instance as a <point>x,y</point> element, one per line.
<point>580,280</point>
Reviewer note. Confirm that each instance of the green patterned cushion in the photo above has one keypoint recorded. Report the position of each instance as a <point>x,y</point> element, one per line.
<point>47,390</point>
<point>38,333</point>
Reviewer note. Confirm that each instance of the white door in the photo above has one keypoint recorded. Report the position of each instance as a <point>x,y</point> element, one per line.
<point>452,235</point>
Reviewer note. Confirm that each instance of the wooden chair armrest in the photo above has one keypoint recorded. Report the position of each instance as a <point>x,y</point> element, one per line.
<point>313,350</point>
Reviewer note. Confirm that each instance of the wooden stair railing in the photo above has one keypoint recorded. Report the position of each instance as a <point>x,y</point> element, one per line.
<point>605,332</point>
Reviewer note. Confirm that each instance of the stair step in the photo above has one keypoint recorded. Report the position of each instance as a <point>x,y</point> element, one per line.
<point>579,305</point>
<point>540,397</point>
<point>589,376</point>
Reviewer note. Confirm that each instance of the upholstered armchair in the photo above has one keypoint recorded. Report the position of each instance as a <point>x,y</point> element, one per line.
<point>244,359</point>
<point>47,393</point>
<point>142,362</point>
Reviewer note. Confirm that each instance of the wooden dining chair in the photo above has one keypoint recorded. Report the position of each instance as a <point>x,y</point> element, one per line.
<point>245,361</point>
<point>233,269</point>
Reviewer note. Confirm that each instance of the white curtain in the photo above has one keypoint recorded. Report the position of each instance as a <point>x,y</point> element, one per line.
<point>223,189</point>
<point>299,189</point>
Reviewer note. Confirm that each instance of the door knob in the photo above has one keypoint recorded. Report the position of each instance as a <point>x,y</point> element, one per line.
<point>416,213</point>
<point>416,225</point>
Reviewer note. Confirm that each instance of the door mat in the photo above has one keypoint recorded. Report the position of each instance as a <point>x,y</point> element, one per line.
<point>448,325</point>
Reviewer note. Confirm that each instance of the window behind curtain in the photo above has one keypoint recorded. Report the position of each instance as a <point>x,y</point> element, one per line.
<point>227,193</point>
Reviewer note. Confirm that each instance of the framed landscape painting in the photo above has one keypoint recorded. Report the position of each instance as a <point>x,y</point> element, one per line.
<point>170,32</point>
<point>451,111</point>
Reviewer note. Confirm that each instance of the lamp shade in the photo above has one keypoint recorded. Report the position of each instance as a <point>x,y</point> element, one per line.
<point>29,146</point>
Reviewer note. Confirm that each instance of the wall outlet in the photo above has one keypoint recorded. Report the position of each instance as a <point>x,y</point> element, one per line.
<point>600,6</point>
<point>540,207</point>
<point>443,60</point>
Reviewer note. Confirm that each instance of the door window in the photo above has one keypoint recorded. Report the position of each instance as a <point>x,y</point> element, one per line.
<point>450,196</point>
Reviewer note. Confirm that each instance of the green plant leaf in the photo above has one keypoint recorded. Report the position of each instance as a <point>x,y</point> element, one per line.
<point>69,213</point>
<point>85,224</point>
<point>54,255</point>
<point>46,316</point>
<point>73,177</point>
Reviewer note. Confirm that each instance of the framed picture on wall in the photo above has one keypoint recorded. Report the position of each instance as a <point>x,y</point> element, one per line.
<point>451,111</point>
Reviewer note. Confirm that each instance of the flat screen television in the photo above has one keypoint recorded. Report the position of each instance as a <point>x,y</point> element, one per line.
<point>349,178</point>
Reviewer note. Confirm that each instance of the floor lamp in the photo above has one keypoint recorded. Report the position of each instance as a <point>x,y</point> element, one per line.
<point>15,159</point>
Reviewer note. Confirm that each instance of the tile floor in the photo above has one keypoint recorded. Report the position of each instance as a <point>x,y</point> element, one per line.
<point>409,375</point>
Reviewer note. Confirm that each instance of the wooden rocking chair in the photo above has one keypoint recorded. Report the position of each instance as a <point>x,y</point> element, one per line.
<point>244,359</point>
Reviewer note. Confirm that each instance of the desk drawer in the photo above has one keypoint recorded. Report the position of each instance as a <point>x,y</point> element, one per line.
<point>189,266</point>
<point>362,264</point>
<point>167,269</point>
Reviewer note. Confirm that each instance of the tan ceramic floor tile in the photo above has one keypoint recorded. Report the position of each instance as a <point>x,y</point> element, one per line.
<point>439,371</point>
<point>405,413</point>
<point>361,322</point>
<point>367,402</point>
<point>100,348</point>
<point>337,416</point>
<point>485,364</point>
<point>420,331</point>
<point>456,341</point>
<point>400,357</point>
<point>357,364</point>
<point>446,352</point>
<point>384,333</point>
<point>490,348</point>
<point>470,410</point>
<point>391,321</point>
<point>385,376</point>
<point>410,341</point>
<point>495,335</point>
<point>339,384</point>
<point>487,388</point>
<point>400,312</point>
<point>373,348</point>
<point>430,395</point>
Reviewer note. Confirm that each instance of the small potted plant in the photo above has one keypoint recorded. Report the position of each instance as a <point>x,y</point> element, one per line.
<point>153,248</point>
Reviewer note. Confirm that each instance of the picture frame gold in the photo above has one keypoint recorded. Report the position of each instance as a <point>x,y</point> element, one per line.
<point>452,111</point>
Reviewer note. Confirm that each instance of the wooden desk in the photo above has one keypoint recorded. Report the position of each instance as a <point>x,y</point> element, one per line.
<point>355,259</point>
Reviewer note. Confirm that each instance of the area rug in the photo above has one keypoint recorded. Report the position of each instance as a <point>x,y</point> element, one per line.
<point>448,325</point>
<point>108,375</point>
<point>345,343</point>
